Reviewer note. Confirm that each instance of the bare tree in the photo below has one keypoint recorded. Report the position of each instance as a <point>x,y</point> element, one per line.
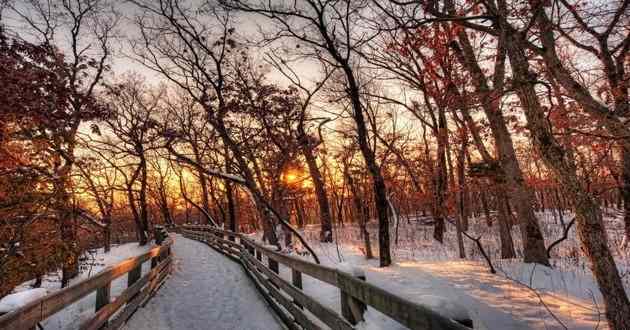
<point>100,182</point>
<point>134,126</point>
<point>194,49</point>
<point>329,31</point>
<point>307,142</point>
<point>197,133</point>
<point>518,39</point>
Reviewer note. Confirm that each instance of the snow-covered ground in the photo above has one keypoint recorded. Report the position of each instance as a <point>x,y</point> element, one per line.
<point>493,301</point>
<point>16,300</point>
<point>520,296</point>
<point>95,261</point>
<point>206,290</point>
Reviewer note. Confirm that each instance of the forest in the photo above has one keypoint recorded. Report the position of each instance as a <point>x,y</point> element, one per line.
<point>491,131</point>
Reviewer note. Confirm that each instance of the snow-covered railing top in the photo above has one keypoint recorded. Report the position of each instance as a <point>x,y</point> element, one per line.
<point>139,289</point>
<point>356,293</point>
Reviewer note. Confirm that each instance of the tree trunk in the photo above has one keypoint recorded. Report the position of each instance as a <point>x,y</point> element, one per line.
<point>378,182</point>
<point>505,231</point>
<point>70,267</point>
<point>559,208</point>
<point>166,213</point>
<point>66,220</point>
<point>441,185</point>
<point>299,212</point>
<point>202,183</point>
<point>484,205</point>
<point>218,205</point>
<point>144,215</point>
<point>140,232</point>
<point>460,238</point>
<point>231,206</point>
<point>533,244</point>
<point>625,184</point>
<point>320,191</point>
<point>362,216</point>
<point>589,222</point>
<point>461,179</point>
<point>107,235</point>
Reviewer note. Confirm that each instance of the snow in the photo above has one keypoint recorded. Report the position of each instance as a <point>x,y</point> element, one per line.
<point>73,315</point>
<point>205,291</point>
<point>94,262</point>
<point>520,296</point>
<point>217,173</point>
<point>464,288</point>
<point>350,269</point>
<point>14,301</point>
<point>445,307</point>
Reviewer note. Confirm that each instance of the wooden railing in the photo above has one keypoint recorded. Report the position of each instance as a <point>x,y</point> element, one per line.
<point>291,303</point>
<point>139,290</point>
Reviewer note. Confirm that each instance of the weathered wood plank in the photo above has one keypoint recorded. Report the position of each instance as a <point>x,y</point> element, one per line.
<point>296,280</point>
<point>134,275</point>
<point>352,309</point>
<point>103,314</point>
<point>325,314</point>
<point>36,311</point>
<point>297,314</point>
<point>102,296</point>
<point>273,265</point>
<point>140,297</point>
<point>286,319</point>
<point>100,319</point>
<point>408,313</point>
<point>355,293</point>
<point>230,244</point>
<point>322,273</point>
<point>227,251</point>
<point>159,279</point>
<point>129,309</point>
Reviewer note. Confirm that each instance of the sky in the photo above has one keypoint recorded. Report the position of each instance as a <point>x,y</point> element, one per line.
<point>247,27</point>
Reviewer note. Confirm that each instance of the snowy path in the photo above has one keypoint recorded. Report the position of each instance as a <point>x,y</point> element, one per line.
<point>205,291</point>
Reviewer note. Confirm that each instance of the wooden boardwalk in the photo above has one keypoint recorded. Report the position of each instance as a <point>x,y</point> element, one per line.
<point>206,290</point>
<point>290,301</point>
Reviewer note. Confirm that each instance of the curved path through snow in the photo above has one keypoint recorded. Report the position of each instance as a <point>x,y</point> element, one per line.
<point>206,290</point>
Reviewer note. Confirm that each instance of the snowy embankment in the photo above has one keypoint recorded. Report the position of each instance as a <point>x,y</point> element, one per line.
<point>520,296</point>
<point>492,301</point>
<point>72,316</point>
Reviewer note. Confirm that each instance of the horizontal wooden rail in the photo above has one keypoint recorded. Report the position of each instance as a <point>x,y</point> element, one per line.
<point>288,299</point>
<point>139,289</point>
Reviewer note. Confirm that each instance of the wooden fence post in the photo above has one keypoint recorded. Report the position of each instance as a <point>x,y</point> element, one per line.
<point>249,248</point>
<point>155,260</point>
<point>134,275</point>
<point>352,309</point>
<point>103,296</point>
<point>273,265</point>
<point>296,280</point>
